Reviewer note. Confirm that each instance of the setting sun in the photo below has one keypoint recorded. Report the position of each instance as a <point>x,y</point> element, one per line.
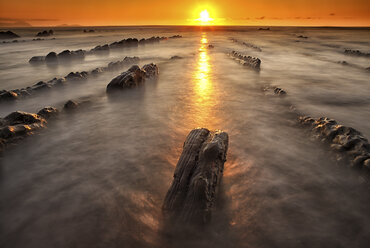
<point>204,18</point>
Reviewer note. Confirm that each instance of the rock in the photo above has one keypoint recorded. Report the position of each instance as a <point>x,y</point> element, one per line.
<point>8,96</point>
<point>254,63</point>
<point>77,75</point>
<point>175,36</point>
<point>133,77</point>
<point>37,60</point>
<point>266,29</point>
<point>70,105</point>
<point>89,31</point>
<point>356,53</point>
<point>192,194</point>
<point>279,91</point>
<point>302,37</point>
<point>8,35</point>
<point>45,33</point>
<point>20,117</point>
<point>343,139</point>
<point>210,46</point>
<point>48,112</point>
<point>51,58</point>
<point>40,86</point>
<point>176,57</point>
<point>151,70</point>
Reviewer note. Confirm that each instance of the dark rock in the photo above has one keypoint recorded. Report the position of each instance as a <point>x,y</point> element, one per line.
<point>343,139</point>
<point>48,112</point>
<point>210,46</point>
<point>51,58</point>
<point>20,117</point>
<point>70,105</point>
<point>254,63</point>
<point>8,35</point>
<point>45,33</point>
<point>356,53</point>
<point>302,37</point>
<point>37,60</point>
<point>266,29</point>
<point>8,96</point>
<point>197,175</point>
<point>176,57</point>
<point>133,77</point>
<point>77,75</point>
<point>151,70</point>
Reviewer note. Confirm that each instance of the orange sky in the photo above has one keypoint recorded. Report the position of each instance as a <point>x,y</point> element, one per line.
<point>167,12</point>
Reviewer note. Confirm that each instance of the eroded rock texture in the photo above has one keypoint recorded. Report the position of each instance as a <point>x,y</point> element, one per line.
<point>356,53</point>
<point>11,95</point>
<point>345,140</point>
<point>198,173</point>
<point>254,63</point>
<point>19,124</point>
<point>133,77</point>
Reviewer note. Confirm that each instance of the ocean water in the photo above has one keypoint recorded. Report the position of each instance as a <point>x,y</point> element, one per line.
<point>98,177</point>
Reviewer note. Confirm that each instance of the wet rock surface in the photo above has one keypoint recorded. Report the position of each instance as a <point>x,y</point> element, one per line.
<point>197,176</point>
<point>133,77</point>
<point>252,62</point>
<point>11,95</point>
<point>17,125</point>
<point>342,139</point>
<point>8,35</point>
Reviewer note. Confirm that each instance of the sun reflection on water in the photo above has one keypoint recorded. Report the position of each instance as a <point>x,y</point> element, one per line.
<point>204,98</point>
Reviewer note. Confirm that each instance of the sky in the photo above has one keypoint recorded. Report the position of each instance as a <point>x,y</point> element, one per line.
<point>185,12</point>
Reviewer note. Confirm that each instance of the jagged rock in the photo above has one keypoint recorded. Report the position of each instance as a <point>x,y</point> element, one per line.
<point>89,31</point>
<point>8,96</point>
<point>342,139</point>
<point>210,46</point>
<point>175,36</point>
<point>133,77</point>
<point>356,53</point>
<point>279,91</point>
<point>20,93</point>
<point>70,105</point>
<point>8,35</point>
<point>40,86</point>
<point>254,63</point>
<point>52,57</point>
<point>197,175</point>
<point>151,70</point>
<point>37,60</point>
<point>48,112</point>
<point>67,55</point>
<point>266,29</point>
<point>302,37</point>
<point>45,33</point>
<point>77,75</point>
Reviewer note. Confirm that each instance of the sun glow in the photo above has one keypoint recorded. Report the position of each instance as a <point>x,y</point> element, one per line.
<point>204,17</point>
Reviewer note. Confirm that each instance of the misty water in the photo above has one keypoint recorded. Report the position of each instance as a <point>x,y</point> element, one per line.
<point>97,177</point>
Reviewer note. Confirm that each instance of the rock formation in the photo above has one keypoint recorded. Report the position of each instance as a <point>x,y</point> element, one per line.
<point>45,33</point>
<point>345,140</point>
<point>254,63</point>
<point>6,96</point>
<point>197,175</point>
<point>356,53</point>
<point>133,77</point>
<point>8,35</point>
<point>19,124</point>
